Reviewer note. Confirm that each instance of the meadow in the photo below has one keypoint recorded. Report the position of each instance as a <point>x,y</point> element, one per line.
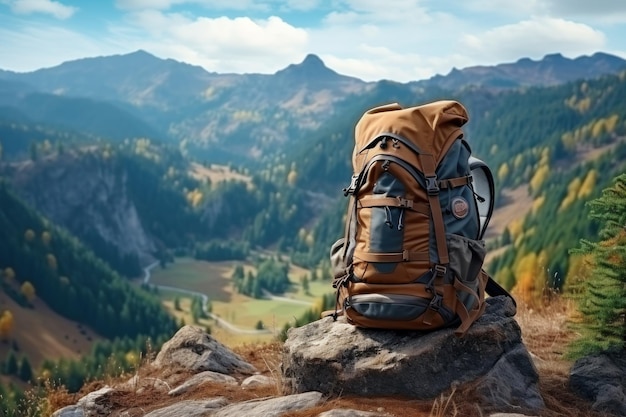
<point>244,313</point>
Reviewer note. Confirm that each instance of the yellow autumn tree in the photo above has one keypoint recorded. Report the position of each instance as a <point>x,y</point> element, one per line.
<point>29,235</point>
<point>52,261</point>
<point>524,273</point>
<point>194,197</point>
<point>516,228</point>
<point>572,193</point>
<point>292,177</point>
<point>537,203</point>
<point>580,268</point>
<point>598,128</point>
<point>8,274</point>
<point>530,277</point>
<point>503,171</point>
<point>541,174</point>
<point>588,185</point>
<point>28,290</point>
<point>611,123</point>
<point>7,323</point>
<point>46,237</point>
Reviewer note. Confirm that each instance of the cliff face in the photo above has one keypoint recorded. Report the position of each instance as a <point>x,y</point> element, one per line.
<point>88,195</point>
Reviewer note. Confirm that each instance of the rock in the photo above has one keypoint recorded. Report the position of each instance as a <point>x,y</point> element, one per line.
<point>94,404</point>
<point>202,378</point>
<point>273,407</point>
<point>195,350</point>
<point>189,408</point>
<point>509,415</point>
<point>343,412</point>
<point>601,378</point>
<point>512,379</point>
<point>139,384</point>
<point>257,380</point>
<point>337,358</point>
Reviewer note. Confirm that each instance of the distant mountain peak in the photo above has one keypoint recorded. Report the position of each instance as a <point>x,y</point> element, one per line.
<point>311,68</point>
<point>554,57</point>
<point>312,60</point>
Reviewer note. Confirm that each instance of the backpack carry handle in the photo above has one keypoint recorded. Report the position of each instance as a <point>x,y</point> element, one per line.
<point>483,184</point>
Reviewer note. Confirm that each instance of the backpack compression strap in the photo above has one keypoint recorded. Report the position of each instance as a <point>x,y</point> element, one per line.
<point>432,188</point>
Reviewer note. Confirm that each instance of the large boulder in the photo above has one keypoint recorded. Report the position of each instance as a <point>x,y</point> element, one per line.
<point>601,378</point>
<point>334,357</point>
<point>195,350</point>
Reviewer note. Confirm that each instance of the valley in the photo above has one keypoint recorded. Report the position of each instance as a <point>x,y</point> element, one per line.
<point>243,313</point>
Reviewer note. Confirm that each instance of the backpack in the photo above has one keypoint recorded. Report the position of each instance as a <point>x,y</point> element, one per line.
<point>412,255</point>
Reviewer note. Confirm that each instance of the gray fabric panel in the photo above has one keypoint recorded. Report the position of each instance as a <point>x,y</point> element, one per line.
<point>384,238</point>
<point>455,164</point>
<point>466,260</point>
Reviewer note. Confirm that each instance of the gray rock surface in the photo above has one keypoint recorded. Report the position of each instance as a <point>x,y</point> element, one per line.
<point>338,358</point>
<point>190,408</point>
<point>257,380</point>
<point>193,349</point>
<point>93,404</point>
<point>272,407</point>
<point>512,380</point>
<point>601,378</point>
<point>202,378</point>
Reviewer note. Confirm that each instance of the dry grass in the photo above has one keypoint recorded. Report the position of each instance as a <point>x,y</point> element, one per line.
<point>40,333</point>
<point>544,332</point>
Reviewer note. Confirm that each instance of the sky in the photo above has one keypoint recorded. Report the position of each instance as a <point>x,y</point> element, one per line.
<point>400,40</point>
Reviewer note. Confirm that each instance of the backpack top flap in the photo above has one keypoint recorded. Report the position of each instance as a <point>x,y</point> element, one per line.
<point>431,127</point>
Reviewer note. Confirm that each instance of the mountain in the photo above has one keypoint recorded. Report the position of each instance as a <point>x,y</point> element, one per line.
<point>138,78</point>
<point>551,70</point>
<point>249,119</point>
<point>96,118</point>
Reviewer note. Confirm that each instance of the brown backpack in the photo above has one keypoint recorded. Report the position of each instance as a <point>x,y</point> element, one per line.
<point>412,254</point>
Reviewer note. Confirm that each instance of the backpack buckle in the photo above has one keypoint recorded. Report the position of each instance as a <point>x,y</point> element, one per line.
<point>432,187</point>
<point>440,270</point>
<point>436,302</point>
<point>404,203</point>
<point>352,187</point>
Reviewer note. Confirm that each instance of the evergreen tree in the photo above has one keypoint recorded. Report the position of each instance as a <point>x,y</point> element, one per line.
<point>10,365</point>
<point>602,301</point>
<point>25,371</point>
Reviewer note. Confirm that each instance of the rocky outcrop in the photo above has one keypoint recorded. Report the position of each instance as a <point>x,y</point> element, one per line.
<point>335,358</point>
<point>89,196</point>
<point>601,378</point>
<point>195,375</point>
<point>193,349</point>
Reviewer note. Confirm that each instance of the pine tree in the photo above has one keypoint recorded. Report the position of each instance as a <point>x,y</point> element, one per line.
<point>602,302</point>
<point>10,364</point>
<point>25,371</point>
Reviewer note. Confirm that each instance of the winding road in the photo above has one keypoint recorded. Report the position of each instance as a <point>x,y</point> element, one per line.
<point>205,299</point>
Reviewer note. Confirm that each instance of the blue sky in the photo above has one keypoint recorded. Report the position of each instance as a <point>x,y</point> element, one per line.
<point>401,40</point>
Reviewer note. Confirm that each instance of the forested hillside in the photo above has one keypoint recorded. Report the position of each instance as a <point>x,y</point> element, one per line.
<point>563,144</point>
<point>38,259</point>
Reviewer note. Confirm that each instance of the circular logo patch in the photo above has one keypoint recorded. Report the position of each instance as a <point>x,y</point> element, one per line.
<point>460,207</point>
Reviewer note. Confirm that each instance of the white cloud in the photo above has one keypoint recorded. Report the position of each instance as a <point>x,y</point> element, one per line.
<point>533,38</point>
<point>219,44</point>
<point>374,11</point>
<point>54,8</point>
